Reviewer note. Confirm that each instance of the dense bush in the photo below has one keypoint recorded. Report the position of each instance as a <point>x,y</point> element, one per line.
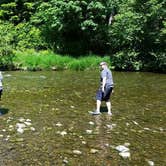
<point>6,45</point>
<point>132,32</point>
<point>127,61</point>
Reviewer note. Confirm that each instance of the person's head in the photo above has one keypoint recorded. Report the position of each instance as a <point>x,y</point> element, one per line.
<point>103,65</point>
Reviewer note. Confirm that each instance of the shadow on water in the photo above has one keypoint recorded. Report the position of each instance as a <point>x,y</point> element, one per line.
<point>103,109</point>
<point>3,111</point>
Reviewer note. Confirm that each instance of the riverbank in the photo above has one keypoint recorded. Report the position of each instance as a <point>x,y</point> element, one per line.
<point>31,60</point>
<point>47,60</point>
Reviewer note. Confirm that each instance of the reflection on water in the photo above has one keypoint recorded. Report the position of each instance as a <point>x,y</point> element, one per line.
<point>45,120</point>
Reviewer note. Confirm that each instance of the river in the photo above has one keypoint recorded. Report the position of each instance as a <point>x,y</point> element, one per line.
<point>45,120</point>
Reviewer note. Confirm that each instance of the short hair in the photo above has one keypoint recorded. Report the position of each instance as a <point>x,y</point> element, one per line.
<point>103,63</point>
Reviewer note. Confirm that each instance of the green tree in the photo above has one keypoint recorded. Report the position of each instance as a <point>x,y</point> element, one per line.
<point>139,27</point>
<point>17,11</point>
<point>75,27</point>
<point>6,44</point>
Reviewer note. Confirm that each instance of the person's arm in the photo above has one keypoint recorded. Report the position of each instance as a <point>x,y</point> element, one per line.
<point>103,83</point>
<point>1,77</point>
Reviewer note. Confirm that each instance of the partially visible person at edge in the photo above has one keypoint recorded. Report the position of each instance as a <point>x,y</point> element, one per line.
<point>105,90</point>
<point>1,87</point>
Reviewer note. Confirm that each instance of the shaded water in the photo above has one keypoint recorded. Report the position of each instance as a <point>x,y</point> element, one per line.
<point>58,130</point>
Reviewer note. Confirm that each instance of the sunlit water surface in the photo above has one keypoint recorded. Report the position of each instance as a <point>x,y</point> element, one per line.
<point>45,121</point>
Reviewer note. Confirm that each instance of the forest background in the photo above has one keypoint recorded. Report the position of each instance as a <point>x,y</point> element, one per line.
<point>61,34</point>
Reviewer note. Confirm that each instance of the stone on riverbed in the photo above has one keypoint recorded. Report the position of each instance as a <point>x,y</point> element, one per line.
<point>89,131</point>
<point>93,151</point>
<point>151,163</point>
<point>78,152</point>
<point>123,151</point>
<point>125,154</point>
<point>59,124</point>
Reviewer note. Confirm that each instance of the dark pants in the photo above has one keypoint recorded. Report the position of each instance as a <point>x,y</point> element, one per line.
<point>104,96</point>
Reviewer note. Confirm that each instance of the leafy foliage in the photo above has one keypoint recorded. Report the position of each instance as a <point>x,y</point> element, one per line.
<point>132,31</point>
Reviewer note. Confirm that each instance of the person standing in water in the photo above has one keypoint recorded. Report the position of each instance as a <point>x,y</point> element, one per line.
<point>1,86</point>
<point>105,90</point>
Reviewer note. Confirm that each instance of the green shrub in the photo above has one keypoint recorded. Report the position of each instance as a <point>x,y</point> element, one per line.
<point>126,60</point>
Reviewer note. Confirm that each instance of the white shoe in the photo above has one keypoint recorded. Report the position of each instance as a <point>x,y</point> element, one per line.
<point>95,113</point>
<point>109,113</point>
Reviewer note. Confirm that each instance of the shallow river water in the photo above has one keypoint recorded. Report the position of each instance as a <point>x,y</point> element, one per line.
<point>45,120</point>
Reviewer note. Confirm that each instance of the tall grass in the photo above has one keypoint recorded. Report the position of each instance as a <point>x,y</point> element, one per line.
<point>47,60</point>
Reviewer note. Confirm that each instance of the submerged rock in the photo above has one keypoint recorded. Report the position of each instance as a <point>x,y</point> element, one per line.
<point>93,151</point>
<point>125,154</point>
<point>62,133</point>
<point>78,152</point>
<point>123,151</point>
<point>151,163</point>
<point>19,139</point>
<point>20,125</point>
<point>21,119</point>
<point>89,131</point>
<point>91,123</point>
<point>32,128</point>
<point>122,148</point>
<point>20,130</point>
<point>65,161</point>
<point>84,142</point>
<point>126,144</point>
<point>27,123</point>
<point>59,124</point>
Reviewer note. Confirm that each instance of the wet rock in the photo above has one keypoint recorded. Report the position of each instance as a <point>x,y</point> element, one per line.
<point>11,126</point>
<point>21,119</point>
<point>28,123</point>
<point>125,154</point>
<point>127,124</point>
<point>135,122</point>
<point>121,148</point>
<point>19,139</point>
<point>123,151</point>
<point>84,142</point>
<point>32,128</point>
<point>146,128</point>
<point>72,106</point>
<point>106,145</point>
<point>89,131</point>
<point>62,133</point>
<point>43,77</point>
<point>65,161</point>
<point>161,129</point>
<point>7,138</point>
<point>77,152</point>
<point>7,75</point>
<point>93,151</point>
<point>91,123</point>
<point>20,125</point>
<point>59,124</point>
<point>20,130</point>
<point>151,163</point>
<point>109,126</point>
<point>126,144</point>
